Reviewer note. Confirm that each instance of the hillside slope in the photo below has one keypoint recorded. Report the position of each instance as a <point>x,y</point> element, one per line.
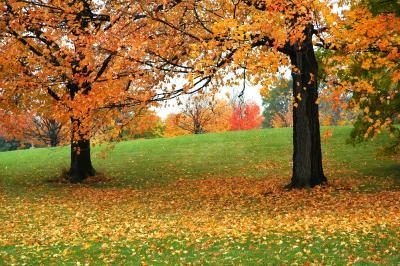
<point>206,199</point>
<point>256,153</point>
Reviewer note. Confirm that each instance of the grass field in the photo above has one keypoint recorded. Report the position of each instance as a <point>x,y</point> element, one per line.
<point>205,199</point>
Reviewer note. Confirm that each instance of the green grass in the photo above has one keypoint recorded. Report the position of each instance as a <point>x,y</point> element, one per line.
<point>158,173</point>
<point>142,163</point>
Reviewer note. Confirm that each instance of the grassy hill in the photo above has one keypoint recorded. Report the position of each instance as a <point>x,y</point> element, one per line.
<point>257,153</point>
<point>213,198</point>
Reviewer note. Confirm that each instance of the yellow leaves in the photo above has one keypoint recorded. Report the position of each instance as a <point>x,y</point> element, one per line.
<point>212,207</point>
<point>66,252</point>
<point>224,26</point>
<point>359,32</point>
<point>69,56</point>
<point>264,91</point>
<point>396,76</point>
<point>211,115</point>
<point>86,246</point>
<point>366,64</point>
<point>363,86</point>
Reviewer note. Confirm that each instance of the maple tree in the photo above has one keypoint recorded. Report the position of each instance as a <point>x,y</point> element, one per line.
<point>246,117</point>
<point>37,127</point>
<point>283,120</point>
<point>43,130</point>
<point>76,60</point>
<point>139,123</point>
<point>54,59</point>
<point>200,114</point>
<point>82,61</point>
<point>221,41</point>
<point>214,38</point>
<point>364,66</point>
<point>170,127</point>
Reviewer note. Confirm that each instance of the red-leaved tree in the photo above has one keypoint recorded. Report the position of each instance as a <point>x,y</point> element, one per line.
<point>246,117</point>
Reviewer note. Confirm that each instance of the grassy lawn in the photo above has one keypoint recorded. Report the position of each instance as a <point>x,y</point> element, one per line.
<point>205,199</point>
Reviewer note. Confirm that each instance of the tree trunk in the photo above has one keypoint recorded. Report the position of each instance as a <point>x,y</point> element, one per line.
<point>198,129</point>
<point>307,156</point>
<point>53,142</point>
<point>54,133</point>
<point>81,164</point>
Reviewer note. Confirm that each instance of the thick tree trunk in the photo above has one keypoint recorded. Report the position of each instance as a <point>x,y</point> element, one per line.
<point>307,156</point>
<point>81,164</point>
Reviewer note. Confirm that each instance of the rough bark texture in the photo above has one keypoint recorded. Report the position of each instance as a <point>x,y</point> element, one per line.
<point>81,164</point>
<point>307,156</point>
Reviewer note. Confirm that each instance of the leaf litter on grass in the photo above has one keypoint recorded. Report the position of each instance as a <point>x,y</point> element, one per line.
<point>194,208</point>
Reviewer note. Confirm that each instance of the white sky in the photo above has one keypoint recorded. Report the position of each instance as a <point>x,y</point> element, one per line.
<point>251,94</point>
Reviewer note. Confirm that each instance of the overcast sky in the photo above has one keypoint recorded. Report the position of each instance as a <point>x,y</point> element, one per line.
<point>251,94</point>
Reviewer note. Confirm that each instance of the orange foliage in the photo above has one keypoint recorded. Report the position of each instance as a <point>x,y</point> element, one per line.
<point>143,122</point>
<point>171,129</point>
<point>199,115</point>
<point>283,119</point>
<point>77,71</point>
<point>366,64</point>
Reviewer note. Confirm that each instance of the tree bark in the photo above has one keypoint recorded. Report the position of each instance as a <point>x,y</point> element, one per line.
<point>81,164</point>
<point>307,155</point>
<point>53,143</point>
<point>198,129</point>
<point>54,132</point>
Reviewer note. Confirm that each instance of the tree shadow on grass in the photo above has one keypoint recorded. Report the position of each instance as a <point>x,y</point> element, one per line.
<point>98,179</point>
<point>391,170</point>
